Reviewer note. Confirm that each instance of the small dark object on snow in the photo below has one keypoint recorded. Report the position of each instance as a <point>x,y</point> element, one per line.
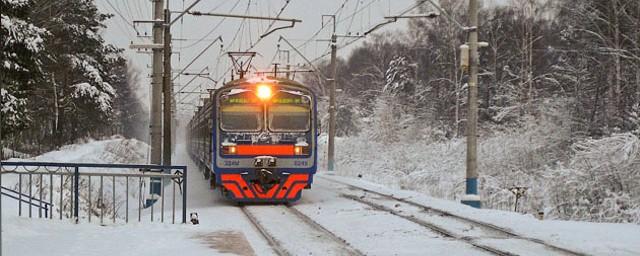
<point>397,205</point>
<point>194,218</point>
<point>359,175</point>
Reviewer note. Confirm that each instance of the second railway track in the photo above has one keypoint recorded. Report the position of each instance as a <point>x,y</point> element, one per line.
<point>495,231</point>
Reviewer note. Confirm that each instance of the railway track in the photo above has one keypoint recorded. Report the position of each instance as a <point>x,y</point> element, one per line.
<point>275,244</point>
<point>495,231</point>
<point>279,243</point>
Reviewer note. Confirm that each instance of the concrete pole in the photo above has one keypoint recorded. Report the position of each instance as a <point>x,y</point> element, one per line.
<point>156,86</point>
<point>1,156</point>
<point>332,106</point>
<point>471,197</point>
<point>167,92</point>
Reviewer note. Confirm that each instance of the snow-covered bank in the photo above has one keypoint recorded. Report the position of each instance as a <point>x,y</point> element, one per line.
<point>112,151</point>
<point>589,180</point>
<point>219,225</point>
<point>590,238</point>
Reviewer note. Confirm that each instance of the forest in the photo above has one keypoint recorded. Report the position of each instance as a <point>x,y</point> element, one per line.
<point>559,107</point>
<point>60,80</point>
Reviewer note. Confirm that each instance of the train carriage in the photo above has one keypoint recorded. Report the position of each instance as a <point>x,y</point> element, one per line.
<point>255,139</point>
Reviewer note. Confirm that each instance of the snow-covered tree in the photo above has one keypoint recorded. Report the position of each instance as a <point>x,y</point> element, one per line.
<point>400,78</point>
<point>21,43</point>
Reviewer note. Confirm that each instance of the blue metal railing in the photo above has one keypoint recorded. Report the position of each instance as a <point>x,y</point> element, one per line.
<point>73,175</point>
<point>24,198</point>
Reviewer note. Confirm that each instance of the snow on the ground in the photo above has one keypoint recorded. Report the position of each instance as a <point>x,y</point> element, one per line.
<point>52,237</point>
<point>224,230</point>
<point>116,150</point>
<point>588,237</point>
<point>375,232</point>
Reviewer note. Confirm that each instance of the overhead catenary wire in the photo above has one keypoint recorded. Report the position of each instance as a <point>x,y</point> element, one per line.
<point>122,17</point>
<point>282,9</point>
<point>370,30</point>
<point>213,29</point>
<point>324,25</point>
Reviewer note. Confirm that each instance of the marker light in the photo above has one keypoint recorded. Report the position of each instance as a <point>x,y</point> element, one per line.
<point>264,92</point>
<point>229,150</point>
<point>300,150</point>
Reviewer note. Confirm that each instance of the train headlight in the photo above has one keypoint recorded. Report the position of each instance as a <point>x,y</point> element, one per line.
<point>301,150</point>
<point>229,150</point>
<point>264,92</point>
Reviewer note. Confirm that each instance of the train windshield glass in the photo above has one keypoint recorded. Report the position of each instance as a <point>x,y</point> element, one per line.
<point>289,118</point>
<point>241,118</point>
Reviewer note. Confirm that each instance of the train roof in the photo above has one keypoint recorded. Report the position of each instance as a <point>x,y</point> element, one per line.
<point>269,79</point>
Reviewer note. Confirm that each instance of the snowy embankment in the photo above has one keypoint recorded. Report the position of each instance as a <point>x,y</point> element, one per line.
<point>589,238</point>
<point>589,180</point>
<point>112,151</point>
<point>33,237</point>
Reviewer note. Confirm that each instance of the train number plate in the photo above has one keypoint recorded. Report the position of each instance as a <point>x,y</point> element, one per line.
<point>301,163</point>
<point>231,163</point>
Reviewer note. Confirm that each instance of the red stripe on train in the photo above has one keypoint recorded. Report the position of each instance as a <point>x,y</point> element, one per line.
<point>236,184</point>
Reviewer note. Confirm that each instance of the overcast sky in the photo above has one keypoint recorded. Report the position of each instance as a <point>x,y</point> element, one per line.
<point>354,16</point>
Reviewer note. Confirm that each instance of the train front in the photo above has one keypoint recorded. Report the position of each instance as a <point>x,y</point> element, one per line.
<point>265,140</point>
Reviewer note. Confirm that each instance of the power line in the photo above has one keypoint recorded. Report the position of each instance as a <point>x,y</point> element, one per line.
<point>213,29</point>
<point>375,27</point>
<point>122,17</point>
<point>259,39</point>
<point>321,28</point>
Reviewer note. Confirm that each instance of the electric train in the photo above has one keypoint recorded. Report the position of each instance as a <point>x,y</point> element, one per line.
<point>256,139</point>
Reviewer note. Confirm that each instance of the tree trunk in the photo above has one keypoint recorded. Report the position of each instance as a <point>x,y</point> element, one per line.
<point>619,109</point>
<point>56,112</point>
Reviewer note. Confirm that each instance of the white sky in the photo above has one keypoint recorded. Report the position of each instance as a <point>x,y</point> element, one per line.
<point>120,31</point>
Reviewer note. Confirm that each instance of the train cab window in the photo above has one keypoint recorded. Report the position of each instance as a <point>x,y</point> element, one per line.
<point>241,118</point>
<point>289,118</point>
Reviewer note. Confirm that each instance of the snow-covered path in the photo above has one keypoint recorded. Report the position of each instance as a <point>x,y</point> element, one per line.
<point>332,218</point>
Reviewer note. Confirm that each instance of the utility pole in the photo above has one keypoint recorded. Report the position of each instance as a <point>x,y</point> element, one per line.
<point>167,91</point>
<point>471,197</point>
<point>156,85</point>
<point>332,105</point>
<point>332,97</point>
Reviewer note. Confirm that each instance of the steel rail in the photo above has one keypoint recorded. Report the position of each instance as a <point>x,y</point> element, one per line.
<point>462,218</point>
<point>317,226</point>
<point>442,231</point>
<point>272,241</point>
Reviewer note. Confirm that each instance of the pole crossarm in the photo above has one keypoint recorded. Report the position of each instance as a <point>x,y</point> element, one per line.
<point>224,15</point>
<point>197,13</point>
<point>430,15</point>
<point>182,13</point>
<point>447,15</point>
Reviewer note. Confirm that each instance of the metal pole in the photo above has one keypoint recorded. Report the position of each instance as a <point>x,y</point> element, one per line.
<point>471,197</point>
<point>184,196</point>
<point>332,97</point>
<point>126,198</point>
<point>1,156</point>
<point>166,89</point>
<point>89,203</point>
<point>76,194</point>
<point>156,85</point>
<point>332,106</point>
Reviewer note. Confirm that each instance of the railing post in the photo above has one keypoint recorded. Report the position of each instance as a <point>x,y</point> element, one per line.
<point>184,195</point>
<point>76,193</point>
